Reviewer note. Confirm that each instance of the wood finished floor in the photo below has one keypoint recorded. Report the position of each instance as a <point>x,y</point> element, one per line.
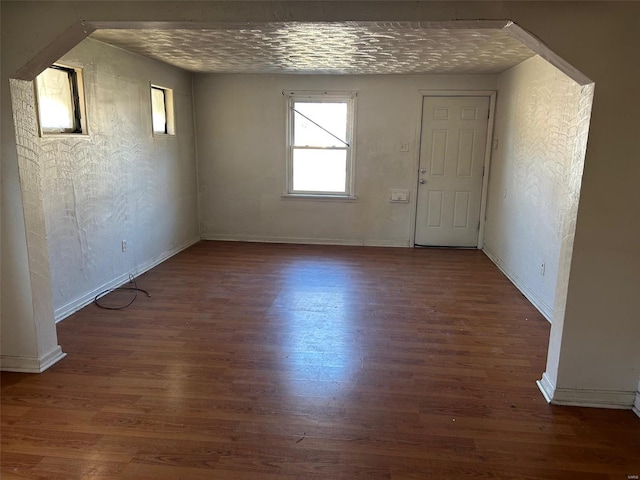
<point>282,362</point>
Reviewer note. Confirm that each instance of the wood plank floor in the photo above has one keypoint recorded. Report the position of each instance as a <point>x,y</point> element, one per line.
<point>282,362</point>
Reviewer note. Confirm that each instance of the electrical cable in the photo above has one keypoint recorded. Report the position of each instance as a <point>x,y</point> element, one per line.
<point>106,292</point>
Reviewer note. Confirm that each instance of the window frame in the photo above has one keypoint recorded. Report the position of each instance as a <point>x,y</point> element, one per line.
<point>348,97</point>
<point>169,111</point>
<point>77,104</point>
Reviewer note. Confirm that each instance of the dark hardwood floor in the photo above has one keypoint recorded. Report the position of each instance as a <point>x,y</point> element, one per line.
<point>254,361</point>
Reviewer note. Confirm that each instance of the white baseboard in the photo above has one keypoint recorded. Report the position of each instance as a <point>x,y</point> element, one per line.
<point>72,307</point>
<point>307,240</point>
<point>586,398</point>
<point>543,307</point>
<point>31,364</point>
<point>546,386</point>
<point>636,404</point>
<point>594,398</point>
<point>388,243</point>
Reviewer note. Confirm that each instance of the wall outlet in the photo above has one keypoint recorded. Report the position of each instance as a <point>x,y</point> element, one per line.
<point>403,147</point>
<point>124,245</point>
<point>542,268</point>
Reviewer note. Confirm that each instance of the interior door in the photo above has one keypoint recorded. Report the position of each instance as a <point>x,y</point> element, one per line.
<point>452,151</point>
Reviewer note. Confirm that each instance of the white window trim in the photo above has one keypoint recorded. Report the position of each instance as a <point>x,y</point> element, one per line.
<point>319,96</point>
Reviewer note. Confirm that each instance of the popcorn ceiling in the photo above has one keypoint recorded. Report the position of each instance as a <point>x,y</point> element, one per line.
<point>327,48</point>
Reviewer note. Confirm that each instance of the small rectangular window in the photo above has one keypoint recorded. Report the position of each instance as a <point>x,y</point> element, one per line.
<point>60,100</point>
<point>320,144</point>
<point>162,110</point>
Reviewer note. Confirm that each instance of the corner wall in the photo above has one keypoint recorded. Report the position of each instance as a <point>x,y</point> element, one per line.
<point>241,154</point>
<point>531,193</point>
<point>120,182</point>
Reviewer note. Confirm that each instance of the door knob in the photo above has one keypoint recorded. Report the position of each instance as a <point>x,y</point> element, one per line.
<point>422,181</point>
<point>423,170</point>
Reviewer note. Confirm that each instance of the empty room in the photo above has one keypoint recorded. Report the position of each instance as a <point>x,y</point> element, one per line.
<point>319,240</point>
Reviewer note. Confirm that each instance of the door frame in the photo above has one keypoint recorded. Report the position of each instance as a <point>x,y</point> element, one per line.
<point>491,95</point>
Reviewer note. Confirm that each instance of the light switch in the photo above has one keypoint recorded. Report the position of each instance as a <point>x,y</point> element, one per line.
<point>403,147</point>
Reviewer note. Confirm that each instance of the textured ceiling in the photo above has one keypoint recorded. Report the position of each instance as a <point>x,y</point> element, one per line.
<point>329,48</point>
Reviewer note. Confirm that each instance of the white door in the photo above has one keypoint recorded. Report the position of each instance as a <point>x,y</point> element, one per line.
<point>452,151</point>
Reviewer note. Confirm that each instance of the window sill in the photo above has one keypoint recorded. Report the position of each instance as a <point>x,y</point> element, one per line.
<point>323,198</point>
<point>65,135</point>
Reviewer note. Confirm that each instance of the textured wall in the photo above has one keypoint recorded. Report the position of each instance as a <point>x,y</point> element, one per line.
<point>45,347</point>
<point>532,189</point>
<point>241,153</point>
<point>119,182</point>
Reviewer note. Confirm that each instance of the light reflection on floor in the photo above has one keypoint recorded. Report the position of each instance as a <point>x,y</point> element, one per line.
<point>316,314</point>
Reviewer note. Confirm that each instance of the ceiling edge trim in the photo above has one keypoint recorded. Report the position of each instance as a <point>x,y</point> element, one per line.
<point>534,43</point>
<point>446,25</point>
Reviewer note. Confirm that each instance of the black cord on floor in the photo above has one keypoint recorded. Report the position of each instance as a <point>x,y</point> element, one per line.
<point>135,288</point>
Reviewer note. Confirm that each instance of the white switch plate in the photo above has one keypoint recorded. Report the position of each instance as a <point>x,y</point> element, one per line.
<point>399,196</point>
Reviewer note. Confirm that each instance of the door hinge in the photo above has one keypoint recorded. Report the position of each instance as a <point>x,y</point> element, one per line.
<point>478,225</point>
<point>483,171</point>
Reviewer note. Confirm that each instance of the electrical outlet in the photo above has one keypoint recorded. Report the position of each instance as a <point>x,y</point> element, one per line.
<point>403,147</point>
<point>124,246</point>
<point>542,268</point>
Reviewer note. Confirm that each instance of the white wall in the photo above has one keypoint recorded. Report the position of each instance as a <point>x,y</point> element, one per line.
<point>530,192</point>
<point>241,153</point>
<point>120,182</point>
<point>18,337</point>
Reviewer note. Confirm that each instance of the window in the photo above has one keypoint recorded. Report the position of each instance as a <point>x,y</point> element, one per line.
<point>320,144</point>
<point>60,100</point>
<point>162,110</point>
